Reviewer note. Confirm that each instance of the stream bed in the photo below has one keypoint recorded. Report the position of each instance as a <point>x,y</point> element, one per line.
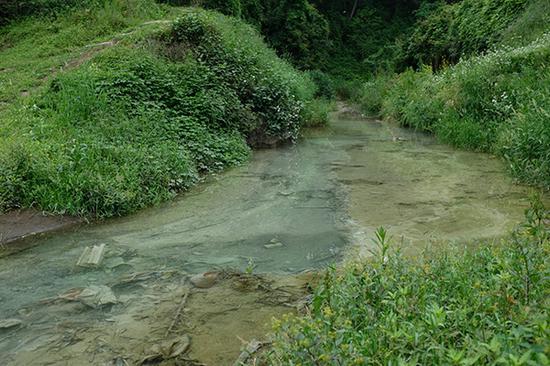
<point>261,228</point>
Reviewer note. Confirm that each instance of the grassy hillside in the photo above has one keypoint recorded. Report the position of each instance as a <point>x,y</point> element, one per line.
<point>107,111</point>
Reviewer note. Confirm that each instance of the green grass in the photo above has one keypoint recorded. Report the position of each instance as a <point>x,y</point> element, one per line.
<point>486,305</point>
<point>497,103</point>
<point>111,128</point>
<point>36,49</point>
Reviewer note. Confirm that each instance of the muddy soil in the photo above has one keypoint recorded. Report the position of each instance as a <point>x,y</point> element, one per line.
<point>22,224</point>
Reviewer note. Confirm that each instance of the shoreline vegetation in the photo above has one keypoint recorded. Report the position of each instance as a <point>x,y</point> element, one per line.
<point>142,119</point>
<point>110,106</point>
<point>498,102</point>
<point>486,305</point>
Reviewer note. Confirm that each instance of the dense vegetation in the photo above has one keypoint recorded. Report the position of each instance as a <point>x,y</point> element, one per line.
<point>496,102</point>
<point>346,38</point>
<point>141,119</point>
<point>485,306</point>
<point>108,106</point>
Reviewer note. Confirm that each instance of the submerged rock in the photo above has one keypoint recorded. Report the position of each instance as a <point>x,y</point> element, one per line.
<point>273,245</point>
<point>205,280</point>
<point>97,296</point>
<point>10,323</point>
<point>166,350</point>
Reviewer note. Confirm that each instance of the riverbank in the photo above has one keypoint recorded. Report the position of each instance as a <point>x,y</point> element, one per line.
<point>496,102</point>
<point>132,105</point>
<point>456,305</point>
<point>291,209</point>
<point>17,226</point>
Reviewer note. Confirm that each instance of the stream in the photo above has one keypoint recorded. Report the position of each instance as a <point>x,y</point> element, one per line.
<point>288,211</point>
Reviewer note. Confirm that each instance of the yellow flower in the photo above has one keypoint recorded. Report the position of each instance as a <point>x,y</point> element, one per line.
<point>327,311</point>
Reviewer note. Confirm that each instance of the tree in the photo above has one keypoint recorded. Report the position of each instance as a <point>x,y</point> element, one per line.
<point>296,29</point>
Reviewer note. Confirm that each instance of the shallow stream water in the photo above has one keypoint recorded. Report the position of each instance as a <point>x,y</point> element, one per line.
<point>288,210</point>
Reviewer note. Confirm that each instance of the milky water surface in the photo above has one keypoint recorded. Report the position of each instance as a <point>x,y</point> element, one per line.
<point>287,210</point>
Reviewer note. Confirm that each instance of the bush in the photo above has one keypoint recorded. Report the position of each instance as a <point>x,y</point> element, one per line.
<point>526,143</point>
<point>297,30</point>
<point>273,91</point>
<point>347,89</point>
<point>482,306</point>
<point>411,101</point>
<point>317,112</point>
<point>373,93</point>
<point>142,120</point>
<point>496,103</point>
<point>446,32</point>
<point>324,84</point>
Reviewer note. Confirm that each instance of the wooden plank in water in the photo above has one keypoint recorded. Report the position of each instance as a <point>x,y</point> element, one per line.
<point>91,256</point>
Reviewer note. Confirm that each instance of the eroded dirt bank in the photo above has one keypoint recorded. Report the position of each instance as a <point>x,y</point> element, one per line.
<point>15,226</point>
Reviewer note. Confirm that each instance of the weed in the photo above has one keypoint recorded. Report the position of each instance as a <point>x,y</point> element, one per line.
<point>482,306</point>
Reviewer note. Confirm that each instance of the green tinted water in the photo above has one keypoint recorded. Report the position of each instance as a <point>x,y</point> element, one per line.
<point>287,210</point>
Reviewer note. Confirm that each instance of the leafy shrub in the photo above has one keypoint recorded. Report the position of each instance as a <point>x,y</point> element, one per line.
<point>317,111</point>
<point>142,120</point>
<point>273,91</point>
<point>324,83</point>
<point>347,89</point>
<point>410,100</point>
<point>297,31</point>
<point>373,93</point>
<point>482,306</point>
<point>526,143</point>
<point>496,103</point>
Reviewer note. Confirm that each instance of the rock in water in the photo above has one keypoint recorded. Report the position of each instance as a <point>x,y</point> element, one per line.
<point>167,350</point>
<point>205,280</point>
<point>91,256</point>
<point>9,323</point>
<point>273,245</point>
<point>97,296</point>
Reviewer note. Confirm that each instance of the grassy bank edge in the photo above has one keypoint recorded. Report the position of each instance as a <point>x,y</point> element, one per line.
<point>498,102</point>
<point>64,50</point>
<point>481,305</point>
